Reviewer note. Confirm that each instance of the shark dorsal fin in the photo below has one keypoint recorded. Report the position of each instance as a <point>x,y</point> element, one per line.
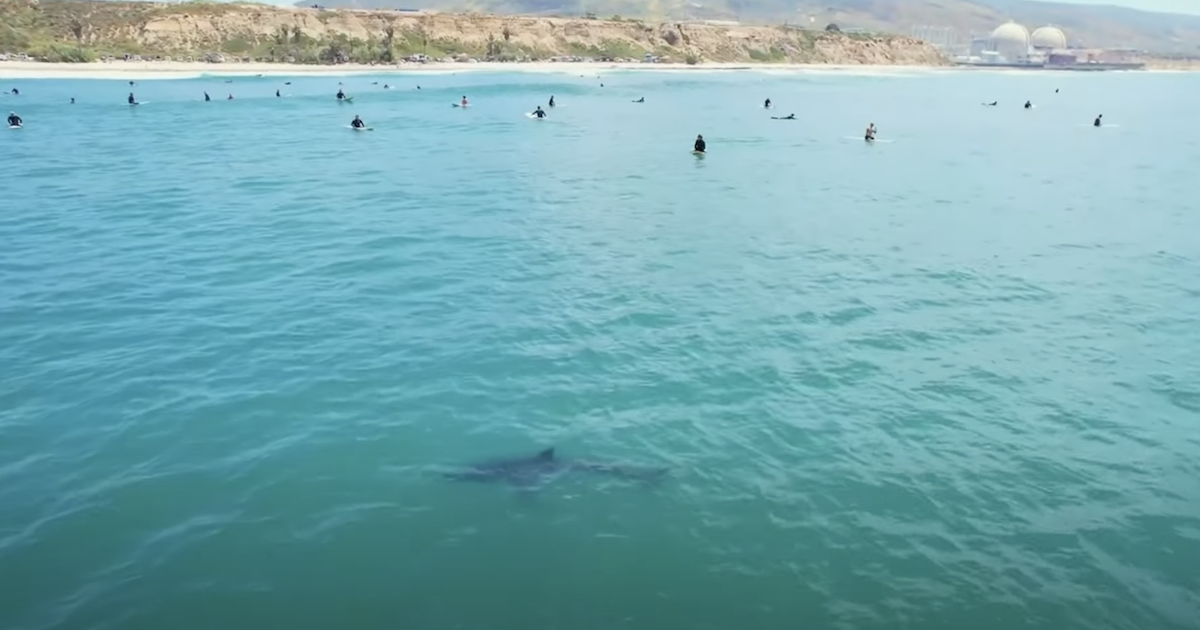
<point>546,455</point>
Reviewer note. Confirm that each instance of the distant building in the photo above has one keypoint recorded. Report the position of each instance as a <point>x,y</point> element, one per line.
<point>1011,41</point>
<point>1048,38</point>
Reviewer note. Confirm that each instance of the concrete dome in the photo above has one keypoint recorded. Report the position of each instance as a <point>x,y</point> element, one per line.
<point>1011,33</point>
<point>1049,37</point>
<point>1010,40</point>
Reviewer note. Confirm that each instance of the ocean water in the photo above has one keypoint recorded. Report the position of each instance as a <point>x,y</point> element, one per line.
<point>945,381</point>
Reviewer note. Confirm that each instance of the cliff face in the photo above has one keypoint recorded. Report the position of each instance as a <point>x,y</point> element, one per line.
<point>309,35</point>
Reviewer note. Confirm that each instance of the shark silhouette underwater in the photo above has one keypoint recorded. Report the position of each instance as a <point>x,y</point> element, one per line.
<point>545,466</point>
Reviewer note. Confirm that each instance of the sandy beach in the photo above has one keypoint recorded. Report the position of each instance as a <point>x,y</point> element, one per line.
<point>146,70</point>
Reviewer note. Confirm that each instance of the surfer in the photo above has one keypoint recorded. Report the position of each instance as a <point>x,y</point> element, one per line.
<point>341,96</point>
<point>641,100</point>
<point>229,98</point>
<point>276,93</point>
<point>386,86</point>
<point>72,100</point>
<point>767,104</point>
<point>992,104</point>
<point>206,97</point>
<point>869,135</point>
<point>788,117</point>
<point>16,92</point>
<point>1028,105</point>
<point>14,120</point>
<point>551,100</point>
<point>357,123</point>
<point>1096,123</point>
<point>464,101</point>
<point>700,146</point>
<point>539,112</point>
<point>132,101</point>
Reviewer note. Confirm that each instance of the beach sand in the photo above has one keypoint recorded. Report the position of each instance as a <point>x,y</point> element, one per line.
<point>179,69</point>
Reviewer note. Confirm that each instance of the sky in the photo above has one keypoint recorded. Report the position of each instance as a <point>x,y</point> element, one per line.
<point>1191,7</point>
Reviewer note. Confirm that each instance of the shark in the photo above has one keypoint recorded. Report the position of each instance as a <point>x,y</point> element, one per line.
<point>535,470</point>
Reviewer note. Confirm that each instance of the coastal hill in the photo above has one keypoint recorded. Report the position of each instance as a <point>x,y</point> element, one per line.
<point>75,30</point>
<point>1086,25</point>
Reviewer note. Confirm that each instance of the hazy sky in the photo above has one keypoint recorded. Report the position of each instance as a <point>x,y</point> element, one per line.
<point>1166,6</point>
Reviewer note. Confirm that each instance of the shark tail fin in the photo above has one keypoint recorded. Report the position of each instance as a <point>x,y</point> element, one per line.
<point>546,455</point>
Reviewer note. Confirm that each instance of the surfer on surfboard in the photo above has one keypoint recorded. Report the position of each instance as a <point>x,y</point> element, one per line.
<point>464,101</point>
<point>788,117</point>
<point>869,135</point>
<point>132,101</point>
<point>700,146</point>
<point>357,123</point>
<point>551,100</point>
<point>14,120</point>
<point>1094,124</point>
<point>767,104</point>
<point>341,96</point>
<point>539,112</point>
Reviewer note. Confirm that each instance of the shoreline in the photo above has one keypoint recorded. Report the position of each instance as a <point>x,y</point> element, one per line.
<point>164,70</point>
<point>147,70</point>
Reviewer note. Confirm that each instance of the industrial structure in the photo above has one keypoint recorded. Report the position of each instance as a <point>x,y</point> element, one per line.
<point>1011,45</point>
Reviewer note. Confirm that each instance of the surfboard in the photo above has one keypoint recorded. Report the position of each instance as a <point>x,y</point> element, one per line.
<point>698,153</point>
<point>458,105</point>
<point>360,128</point>
<point>532,116</point>
<point>14,126</point>
<point>139,103</point>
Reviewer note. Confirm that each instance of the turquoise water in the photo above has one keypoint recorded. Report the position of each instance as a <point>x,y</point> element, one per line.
<point>945,382</point>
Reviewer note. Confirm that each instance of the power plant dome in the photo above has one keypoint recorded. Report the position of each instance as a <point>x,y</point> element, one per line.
<point>1049,37</point>
<point>1010,40</point>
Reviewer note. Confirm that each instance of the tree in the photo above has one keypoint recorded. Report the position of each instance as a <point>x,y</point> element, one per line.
<point>833,28</point>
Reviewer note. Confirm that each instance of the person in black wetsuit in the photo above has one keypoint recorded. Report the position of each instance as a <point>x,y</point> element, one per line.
<point>788,117</point>
<point>132,101</point>
<point>341,96</point>
<point>1097,121</point>
<point>357,123</point>
<point>539,112</point>
<point>276,93</point>
<point>700,146</point>
<point>16,92</point>
<point>641,100</point>
<point>551,100</point>
<point>72,100</point>
<point>992,104</point>
<point>206,97</point>
<point>1028,105</point>
<point>767,104</point>
<point>14,120</point>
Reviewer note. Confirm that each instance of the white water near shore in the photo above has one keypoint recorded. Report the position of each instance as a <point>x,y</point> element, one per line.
<point>182,70</point>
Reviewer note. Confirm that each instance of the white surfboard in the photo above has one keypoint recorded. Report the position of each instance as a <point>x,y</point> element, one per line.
<point>360,128</point>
